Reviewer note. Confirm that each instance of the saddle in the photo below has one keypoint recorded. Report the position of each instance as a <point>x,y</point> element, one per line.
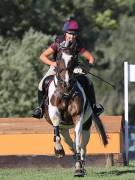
<point>46,83</point>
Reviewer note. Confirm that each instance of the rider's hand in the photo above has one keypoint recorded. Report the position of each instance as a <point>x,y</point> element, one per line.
<point>86,66</point>
<point>78,70</point>
<point>54,64</point>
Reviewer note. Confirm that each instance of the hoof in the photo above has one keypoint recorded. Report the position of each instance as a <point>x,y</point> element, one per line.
<point>79,173</point>
<point>59,153</point>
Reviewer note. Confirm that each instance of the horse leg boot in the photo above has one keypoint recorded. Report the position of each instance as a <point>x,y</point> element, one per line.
<point>38,112</point>
<point>58,149</point>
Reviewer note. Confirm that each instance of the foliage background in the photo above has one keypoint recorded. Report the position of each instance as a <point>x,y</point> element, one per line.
<point>28,27</point>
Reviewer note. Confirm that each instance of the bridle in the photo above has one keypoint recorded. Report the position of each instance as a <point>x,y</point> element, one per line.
<point>61,81</point>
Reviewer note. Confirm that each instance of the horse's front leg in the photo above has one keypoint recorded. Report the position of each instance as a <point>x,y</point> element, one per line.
<point>78,130</point>
<point>79,163</point>
<point>55,118</point>
<point>58,149</point>
<point>84,141</point>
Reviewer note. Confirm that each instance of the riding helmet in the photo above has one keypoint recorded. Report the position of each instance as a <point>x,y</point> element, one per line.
<point>70,25</point>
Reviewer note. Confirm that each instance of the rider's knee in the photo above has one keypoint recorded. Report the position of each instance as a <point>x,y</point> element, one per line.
<point>40,86</point>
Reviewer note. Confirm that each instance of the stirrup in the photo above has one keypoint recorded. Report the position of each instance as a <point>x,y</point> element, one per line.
<point>37,113</point>
<point>98,109</point>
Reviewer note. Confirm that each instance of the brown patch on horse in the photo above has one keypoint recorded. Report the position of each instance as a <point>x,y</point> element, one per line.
<point>75,106</point>
<point>46,114</point>
<point>56,98</point>
<point>70,108</point>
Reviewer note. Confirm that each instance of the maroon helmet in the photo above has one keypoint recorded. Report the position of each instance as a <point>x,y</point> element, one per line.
<point>71,25</point>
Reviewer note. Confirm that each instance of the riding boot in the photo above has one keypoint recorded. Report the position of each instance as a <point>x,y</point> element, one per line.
<point>90,93</point>
<point>38,112</point>
<point>98,109</point>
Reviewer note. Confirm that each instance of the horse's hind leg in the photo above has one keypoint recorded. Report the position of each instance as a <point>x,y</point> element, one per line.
<point>67,139</point>
<point>79,166</point>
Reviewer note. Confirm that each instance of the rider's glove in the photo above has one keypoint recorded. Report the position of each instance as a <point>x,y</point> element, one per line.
<point>78,70</point>
<point>85,66</point>
<point>88,67</point>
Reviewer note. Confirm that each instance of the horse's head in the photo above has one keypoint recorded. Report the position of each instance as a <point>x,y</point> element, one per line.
<point>65,67</point>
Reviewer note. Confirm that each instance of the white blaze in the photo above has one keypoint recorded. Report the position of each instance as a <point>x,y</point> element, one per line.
<point>66,59</point>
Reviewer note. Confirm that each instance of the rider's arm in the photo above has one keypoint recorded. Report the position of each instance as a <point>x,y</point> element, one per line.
<point>87,55</point>
<point>44,57</point>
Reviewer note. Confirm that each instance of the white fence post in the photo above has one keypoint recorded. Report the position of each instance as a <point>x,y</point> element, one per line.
<point>126,74</point>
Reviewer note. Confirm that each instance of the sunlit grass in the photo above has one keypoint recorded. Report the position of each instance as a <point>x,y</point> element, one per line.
<point>93,173</point>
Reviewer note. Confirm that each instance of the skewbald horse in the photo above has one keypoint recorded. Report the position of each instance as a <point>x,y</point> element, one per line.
<point>68,107</point>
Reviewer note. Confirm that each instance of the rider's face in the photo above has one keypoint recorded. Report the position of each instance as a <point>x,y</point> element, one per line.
<point>69,37</point>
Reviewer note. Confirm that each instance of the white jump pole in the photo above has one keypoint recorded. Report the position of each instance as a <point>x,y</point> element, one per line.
<point>126,78</point>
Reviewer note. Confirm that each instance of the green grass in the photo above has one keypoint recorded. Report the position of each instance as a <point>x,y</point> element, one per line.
<point>93,173</point>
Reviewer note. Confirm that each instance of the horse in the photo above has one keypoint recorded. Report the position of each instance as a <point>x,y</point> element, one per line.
<point>69,107</point>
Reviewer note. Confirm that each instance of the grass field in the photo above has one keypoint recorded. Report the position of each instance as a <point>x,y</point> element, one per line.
<point>93,173</point>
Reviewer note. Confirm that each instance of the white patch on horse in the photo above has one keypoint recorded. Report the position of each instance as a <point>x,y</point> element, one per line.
<point>78,128</point>
<point>57,143</point>
<point>66,77</point>
<point>55,80</point>
<point>78,131</point>
<point>66,58</point>
<point>53,110</point>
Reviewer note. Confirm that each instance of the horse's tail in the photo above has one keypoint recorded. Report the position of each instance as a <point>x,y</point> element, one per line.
<point>100,128</point>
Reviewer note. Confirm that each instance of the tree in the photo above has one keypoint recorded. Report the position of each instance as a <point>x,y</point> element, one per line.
<point>20,73</point>
<point>17,16</point>
<point>117,49</point>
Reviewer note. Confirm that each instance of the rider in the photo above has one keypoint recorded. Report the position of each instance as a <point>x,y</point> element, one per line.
<point>69,39</point>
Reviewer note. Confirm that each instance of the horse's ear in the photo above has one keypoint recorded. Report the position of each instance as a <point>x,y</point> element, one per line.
<point>59,39</point>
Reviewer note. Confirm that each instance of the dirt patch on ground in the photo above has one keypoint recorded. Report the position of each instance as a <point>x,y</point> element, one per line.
<point>47,161</point>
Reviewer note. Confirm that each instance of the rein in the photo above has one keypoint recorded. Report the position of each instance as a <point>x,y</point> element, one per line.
<point>68,88</point>
<point>72,91</point>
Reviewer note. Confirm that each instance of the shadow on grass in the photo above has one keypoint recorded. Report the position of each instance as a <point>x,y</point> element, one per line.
<point>116,172</point>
